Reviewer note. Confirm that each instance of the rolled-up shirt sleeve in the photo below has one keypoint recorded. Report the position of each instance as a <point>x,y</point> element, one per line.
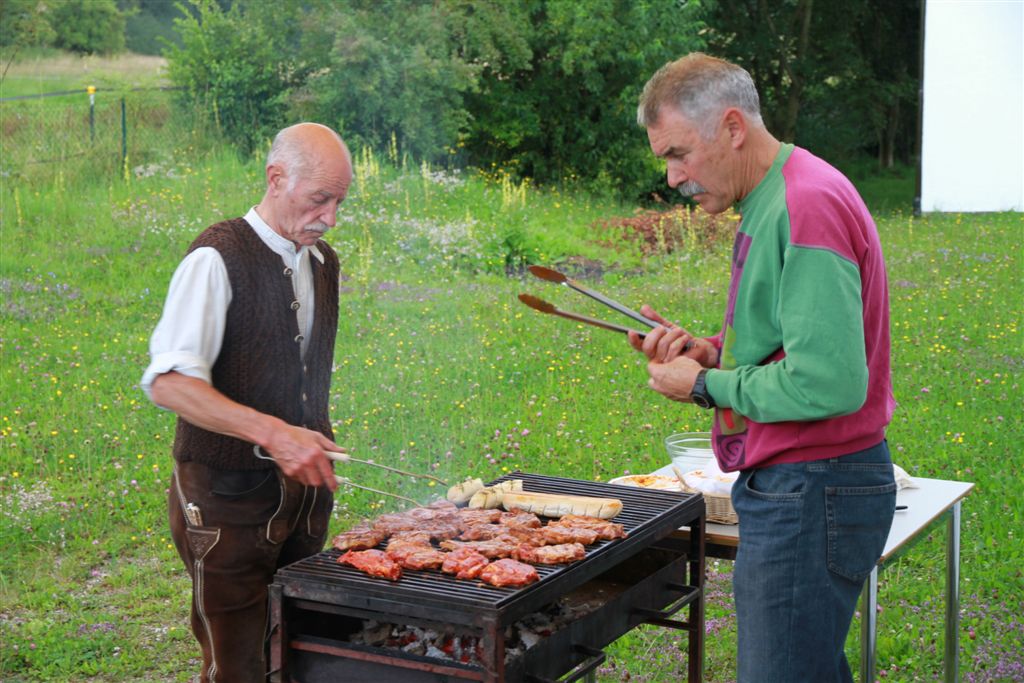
<point>191,329</point>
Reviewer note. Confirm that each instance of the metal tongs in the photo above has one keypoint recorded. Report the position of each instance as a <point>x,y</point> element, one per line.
<point>339,456</point>
<point>544,307</point>
<point>345,481</point>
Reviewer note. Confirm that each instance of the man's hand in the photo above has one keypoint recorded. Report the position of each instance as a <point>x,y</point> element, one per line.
<point>300,454</point>
<point>668,341</point>
<point>674,380</point>
<point>297,451</point>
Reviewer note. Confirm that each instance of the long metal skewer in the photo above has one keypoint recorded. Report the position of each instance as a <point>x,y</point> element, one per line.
<point>345,457</point>
<point>345,481</point>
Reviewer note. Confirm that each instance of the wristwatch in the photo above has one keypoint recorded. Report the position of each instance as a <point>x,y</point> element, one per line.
<point>699,394</point>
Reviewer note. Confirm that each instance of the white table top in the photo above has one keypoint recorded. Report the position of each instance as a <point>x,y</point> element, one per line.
<point>924,504</point>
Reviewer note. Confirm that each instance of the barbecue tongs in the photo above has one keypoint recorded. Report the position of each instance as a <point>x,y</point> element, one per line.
<point>556,277</point>
<point>338,456</point>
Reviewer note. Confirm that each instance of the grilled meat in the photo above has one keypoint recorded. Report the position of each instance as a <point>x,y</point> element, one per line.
<point>465,563</point>
<point>509,573</point>
<point>373,562</point>
<point>607,531</point>
<point>550,554</point>
<point>501,546</point>
<point>361,537</point>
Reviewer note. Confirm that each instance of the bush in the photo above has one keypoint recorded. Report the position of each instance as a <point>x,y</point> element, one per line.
<point>88,26</point>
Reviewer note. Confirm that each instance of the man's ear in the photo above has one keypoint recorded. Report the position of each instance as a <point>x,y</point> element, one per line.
<point>736,126</point>
<point>275,179</point>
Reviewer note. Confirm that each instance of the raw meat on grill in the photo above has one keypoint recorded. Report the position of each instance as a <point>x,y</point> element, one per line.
<point>607,531</point>
<point>465,563</point>
<point>414,552</point>
<point>373,562</point>
<point>360,537</point>
<point>473,516</point>
<point>495,548</point>
<point>520,518</point>
<point>550,554</point>
<point>508,572</point>
<point>557,535</point>
<point>483,532</point>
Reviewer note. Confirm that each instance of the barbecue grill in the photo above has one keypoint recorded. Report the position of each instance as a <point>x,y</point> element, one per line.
<point>317,606</point>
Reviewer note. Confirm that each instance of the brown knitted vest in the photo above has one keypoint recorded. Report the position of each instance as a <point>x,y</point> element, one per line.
<point>260,363</point>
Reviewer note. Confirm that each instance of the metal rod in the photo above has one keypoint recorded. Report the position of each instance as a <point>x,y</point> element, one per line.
<point>345,457</point>
<point>344,481</point>
<point>611,303</point>
<point>952,650</point>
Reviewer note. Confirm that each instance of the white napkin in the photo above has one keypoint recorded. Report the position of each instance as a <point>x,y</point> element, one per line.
<point>903,480</point>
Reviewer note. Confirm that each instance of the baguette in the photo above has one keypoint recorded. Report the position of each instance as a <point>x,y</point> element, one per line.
<point>460,494</point>
<point>489,497</point>
<point>558,505</point>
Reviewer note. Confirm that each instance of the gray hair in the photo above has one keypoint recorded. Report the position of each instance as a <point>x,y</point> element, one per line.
<point>701,88</point>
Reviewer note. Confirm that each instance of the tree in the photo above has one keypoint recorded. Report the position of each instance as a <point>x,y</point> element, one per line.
<point>840,78</point>
<point>25,23</point>
<point>236,65</point>
<point>88,26</point>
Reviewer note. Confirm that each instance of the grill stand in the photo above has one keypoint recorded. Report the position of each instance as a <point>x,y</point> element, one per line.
<point>320,653</point>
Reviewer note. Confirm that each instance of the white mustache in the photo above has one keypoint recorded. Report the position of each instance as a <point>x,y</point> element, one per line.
<point>319,227</point>
<point>690,188</point>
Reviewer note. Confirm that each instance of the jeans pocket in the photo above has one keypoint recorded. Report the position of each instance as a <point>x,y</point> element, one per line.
<point>858,520</point>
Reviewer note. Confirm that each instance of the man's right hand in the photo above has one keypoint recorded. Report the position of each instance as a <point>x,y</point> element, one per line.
<point>668,341</point>
<point>300,454</point>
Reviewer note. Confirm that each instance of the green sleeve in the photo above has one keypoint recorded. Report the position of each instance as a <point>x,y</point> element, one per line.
<point>824,373</point>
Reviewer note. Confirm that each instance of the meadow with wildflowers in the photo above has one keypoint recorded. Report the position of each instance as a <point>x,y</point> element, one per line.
<point>439,367</point>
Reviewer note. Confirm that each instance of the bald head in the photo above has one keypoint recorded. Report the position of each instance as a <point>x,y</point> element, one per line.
<point>299,148</point>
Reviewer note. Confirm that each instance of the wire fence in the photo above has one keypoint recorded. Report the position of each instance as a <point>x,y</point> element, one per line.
<point>102,133</point>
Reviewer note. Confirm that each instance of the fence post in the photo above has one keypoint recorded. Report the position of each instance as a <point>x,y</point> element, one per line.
<point>124,139</point>
<point>92,112</point>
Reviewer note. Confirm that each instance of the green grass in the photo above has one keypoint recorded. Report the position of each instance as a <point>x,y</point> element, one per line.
<point>439,366</point>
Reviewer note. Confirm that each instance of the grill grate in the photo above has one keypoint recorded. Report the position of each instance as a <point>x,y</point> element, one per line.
<point>646,515</point>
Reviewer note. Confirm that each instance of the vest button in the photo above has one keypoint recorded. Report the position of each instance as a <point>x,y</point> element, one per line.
<point>287,272</point>
<point>299,338</point>
<point>295,305</point>
<point>304,397</point>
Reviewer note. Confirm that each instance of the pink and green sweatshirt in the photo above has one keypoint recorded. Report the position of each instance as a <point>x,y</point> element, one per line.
<point>804,352</point>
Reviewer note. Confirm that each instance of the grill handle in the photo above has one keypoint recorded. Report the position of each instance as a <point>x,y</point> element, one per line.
<point>661,617</point>
<point>595,658</point>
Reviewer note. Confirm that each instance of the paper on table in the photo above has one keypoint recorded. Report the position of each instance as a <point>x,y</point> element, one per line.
<point>903,480</point>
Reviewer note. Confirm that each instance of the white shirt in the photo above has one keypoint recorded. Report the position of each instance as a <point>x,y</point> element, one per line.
<point>190,332</point>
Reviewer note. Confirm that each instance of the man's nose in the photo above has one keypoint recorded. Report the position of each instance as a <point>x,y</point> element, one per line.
<point>675,174</point>
<point>330,216</point>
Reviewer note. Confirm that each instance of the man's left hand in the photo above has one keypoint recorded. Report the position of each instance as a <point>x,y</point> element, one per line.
<point>674,379</point>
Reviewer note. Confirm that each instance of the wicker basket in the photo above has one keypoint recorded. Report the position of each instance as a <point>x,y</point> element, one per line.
<point>719,506</point>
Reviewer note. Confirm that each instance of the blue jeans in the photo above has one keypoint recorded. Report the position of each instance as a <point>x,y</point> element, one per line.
<point>810,533</point>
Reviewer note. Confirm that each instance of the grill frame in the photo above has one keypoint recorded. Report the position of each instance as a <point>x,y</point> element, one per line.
<point>432,598</point>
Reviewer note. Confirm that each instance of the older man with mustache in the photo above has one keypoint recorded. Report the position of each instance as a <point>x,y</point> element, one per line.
<point>243,354</point>
<point>798,379</point>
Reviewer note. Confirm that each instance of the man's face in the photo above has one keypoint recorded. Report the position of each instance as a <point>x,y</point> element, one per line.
<point>697,167</point>
<point>306,205</point>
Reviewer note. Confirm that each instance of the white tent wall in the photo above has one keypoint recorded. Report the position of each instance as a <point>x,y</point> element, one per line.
<point>972,128</point>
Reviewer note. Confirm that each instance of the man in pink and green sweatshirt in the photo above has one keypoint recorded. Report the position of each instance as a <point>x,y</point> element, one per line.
<point>798,378</point>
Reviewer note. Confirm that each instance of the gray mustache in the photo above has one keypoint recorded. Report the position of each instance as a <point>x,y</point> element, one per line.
<point>690,188</point>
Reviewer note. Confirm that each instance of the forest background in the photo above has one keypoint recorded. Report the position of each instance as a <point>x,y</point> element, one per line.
<point>541,88</point>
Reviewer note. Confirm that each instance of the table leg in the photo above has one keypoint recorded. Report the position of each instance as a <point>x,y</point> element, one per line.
<point>952,653</point>
<point>869,627</point>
